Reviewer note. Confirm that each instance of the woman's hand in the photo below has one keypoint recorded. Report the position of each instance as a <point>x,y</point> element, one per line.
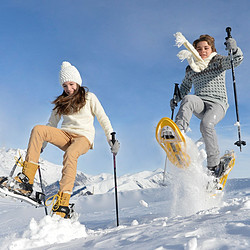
<point>114,146</point>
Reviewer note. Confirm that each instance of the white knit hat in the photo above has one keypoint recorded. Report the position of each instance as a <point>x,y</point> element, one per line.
<point>69,73</point>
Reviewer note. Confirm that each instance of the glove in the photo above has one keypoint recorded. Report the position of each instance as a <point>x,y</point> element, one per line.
<point>231,45</point>
<point>173,104</point>
<point>114,146</point>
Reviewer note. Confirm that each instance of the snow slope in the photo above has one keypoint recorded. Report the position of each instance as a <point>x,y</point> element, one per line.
<point>180,215</point>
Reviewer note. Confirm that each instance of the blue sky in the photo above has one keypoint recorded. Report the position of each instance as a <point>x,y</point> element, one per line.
<point>125,53</point>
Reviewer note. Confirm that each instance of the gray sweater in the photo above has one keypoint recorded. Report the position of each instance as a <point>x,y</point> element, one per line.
<point>210,84</point>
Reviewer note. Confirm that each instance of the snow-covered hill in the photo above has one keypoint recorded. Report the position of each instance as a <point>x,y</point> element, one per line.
<point>180,215</point>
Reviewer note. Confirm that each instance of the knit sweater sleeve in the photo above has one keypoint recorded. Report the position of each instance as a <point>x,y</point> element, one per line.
<point>101,116</point>
<point>186,86</point>
<point>237,59</point>
<point>54,119</point>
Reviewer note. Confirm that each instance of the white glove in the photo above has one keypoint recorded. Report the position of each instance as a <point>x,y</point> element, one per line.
<point>114,146</point>
<point>231,44</point>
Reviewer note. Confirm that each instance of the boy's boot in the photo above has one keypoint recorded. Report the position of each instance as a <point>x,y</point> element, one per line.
<point>23,182</point>
<point>61,206</point>
<point>218,170</point>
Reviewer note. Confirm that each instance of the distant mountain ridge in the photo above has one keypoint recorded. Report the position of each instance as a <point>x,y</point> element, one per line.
<point>98,184</point>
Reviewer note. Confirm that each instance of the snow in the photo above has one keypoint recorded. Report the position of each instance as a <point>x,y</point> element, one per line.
<point>177,215</point>
<point>40,233</point>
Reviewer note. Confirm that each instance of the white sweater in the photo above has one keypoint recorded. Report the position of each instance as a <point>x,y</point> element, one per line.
<point>82,122</point>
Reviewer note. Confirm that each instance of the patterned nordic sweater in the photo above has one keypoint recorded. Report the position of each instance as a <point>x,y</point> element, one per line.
<point>210,84</point>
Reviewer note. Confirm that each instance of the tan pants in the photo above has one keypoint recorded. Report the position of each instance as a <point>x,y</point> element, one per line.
<point>72,144</point>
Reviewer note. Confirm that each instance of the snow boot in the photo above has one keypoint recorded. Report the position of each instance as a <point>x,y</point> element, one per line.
<point>23,182</point>
<point>29,170</point>
<point>61,207</point>
<point>217,171</point>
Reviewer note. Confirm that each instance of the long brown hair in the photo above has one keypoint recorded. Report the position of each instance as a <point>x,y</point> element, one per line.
<point>67,105</point>
<point>206,38</point>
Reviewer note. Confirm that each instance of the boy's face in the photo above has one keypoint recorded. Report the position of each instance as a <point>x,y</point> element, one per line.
<point>204,49</point>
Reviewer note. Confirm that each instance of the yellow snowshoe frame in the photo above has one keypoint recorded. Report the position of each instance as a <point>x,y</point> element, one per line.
<point>175,148</point>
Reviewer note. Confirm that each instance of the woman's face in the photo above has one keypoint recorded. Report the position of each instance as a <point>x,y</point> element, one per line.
<point>204,49</point>
<point>69,87</point>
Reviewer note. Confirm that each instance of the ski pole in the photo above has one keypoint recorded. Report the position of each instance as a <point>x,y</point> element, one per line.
<point>41,183</point>
<point>116,198</point>
<point>176,94</point>
<point>14,167</point>
<point>239,142</point>
<point>165,170</point>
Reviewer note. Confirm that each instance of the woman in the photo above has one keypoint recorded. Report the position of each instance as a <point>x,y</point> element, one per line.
<point>206,71</point>
<point>78,108</point>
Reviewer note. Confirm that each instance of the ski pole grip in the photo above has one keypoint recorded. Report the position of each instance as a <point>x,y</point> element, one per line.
<point>113,137</point>
<point>228,30</point>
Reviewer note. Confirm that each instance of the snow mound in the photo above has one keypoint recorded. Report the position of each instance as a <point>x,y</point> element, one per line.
<point>49,230</point>
<point>143,203</point>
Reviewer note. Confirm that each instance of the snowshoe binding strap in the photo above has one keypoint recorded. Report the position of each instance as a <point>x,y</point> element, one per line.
<point>2,180</point>
<point>167,133</point>
<point>23,178</point>
<point>25,183</point>
<point>16,186</point>
<point>61,209</point>
<point>40,197</point>
<point>218,170</point>
<point>214,171</point>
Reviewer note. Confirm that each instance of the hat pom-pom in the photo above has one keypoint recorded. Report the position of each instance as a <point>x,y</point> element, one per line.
<point>65,64</point>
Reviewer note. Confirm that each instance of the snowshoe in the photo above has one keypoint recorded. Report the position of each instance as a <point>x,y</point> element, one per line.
<point>13,188</point>
<point>173,142</point>
<point>19,185</point>
<point>34,201</point>
<point>227,162</point>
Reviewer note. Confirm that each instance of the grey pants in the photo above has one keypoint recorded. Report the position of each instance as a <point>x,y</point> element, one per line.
<point>210,113</point>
